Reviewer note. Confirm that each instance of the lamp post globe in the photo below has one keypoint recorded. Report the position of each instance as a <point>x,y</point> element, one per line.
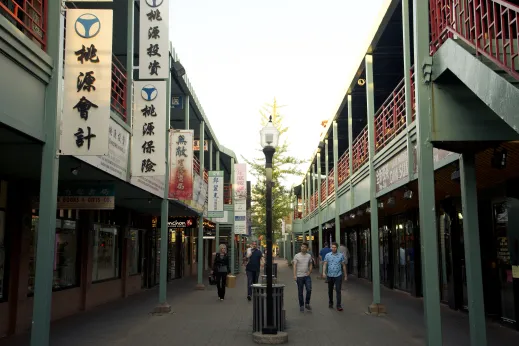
<point>269,140</point>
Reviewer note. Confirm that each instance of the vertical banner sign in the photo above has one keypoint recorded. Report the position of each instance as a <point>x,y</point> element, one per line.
<point>149,129</point>
<point>181,159</point>
<point>240,198</point>
<point>154,39</point>
<point>215,194</point>
<point>87,82</point>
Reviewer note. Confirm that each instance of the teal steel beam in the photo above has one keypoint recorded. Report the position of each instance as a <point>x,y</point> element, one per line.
<point>469,201</point>
<point>164,214</point>
<point>350,149</point>
<point>231,236</point>
<point>200,252</point>
<point>210,147</point>
<point>46,235</point>
<point>370,99</point>
<point>129,61</point>
<point>407,86</point>
<point>308,201</point>
<point>319,217</point>
<point>426,198</point>
<point>336,181</point>
<point>303,200</point>
<point>186,111</point>
<point>217,235</point>
<point>326,166</point>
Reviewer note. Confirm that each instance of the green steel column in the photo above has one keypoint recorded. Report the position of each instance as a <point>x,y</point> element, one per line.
<point>303,199</point>
<point>426,198</point>
<point>407,84</point>
<point>217,232</point>
<point>186,111</point>
<point>48,181</point>
<point>326,165</point>
<point>200,252</point>
<point>469,200</point>
<point>370,98</point>
<point>129,62</point>
<point>231,236</point>
<point>164,214</point>
<point>336,181</point>
<point>308,201</point>
<point>319,218</point>
<point>350,149</point>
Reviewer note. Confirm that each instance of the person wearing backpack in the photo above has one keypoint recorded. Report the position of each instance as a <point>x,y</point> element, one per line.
<point>220,270</point>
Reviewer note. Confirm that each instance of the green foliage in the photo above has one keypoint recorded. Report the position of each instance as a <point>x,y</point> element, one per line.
<point>283,166</point>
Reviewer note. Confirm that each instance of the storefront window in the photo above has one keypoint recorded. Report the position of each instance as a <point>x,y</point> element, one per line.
<point>66,252</point>
<point>134,252</point>
<point>2,255</point>
<point>107,253</point>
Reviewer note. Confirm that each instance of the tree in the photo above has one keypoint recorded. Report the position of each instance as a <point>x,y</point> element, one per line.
<point>283,166</point>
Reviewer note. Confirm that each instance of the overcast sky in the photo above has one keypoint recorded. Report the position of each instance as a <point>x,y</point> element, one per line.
<point>240,54</point>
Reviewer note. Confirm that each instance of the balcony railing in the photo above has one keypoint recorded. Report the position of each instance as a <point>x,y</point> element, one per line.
<point>331,186</point>
<point>344,167</point>
<point>491,27</point>
<point>360,149</point>
<point>324,193</point>
<point>29,17</point>
<point>118,101</point>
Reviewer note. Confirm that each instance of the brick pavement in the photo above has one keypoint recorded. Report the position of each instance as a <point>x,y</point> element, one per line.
<point>200,319</point>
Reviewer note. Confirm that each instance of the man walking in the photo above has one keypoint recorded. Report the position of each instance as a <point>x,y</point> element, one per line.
<point>334,262</point>
<point>303,266</point>
<point>254,257</point>
<point>322,254</point>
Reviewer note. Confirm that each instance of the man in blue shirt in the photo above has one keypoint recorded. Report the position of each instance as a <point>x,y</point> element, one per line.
<point>322,254</point>
<point>253,267</point>
<point>335,264</point>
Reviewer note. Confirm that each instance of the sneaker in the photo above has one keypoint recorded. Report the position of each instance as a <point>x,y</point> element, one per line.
<point>302,308</point>
<point>308,307</point>
<point>248,298</point>
<point>339,308</point>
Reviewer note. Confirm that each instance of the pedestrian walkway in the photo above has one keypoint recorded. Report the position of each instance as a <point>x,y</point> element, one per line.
<point>199,318</point>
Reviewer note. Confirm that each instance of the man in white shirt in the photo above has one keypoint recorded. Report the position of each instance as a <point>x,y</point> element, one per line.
<point>303,265</point>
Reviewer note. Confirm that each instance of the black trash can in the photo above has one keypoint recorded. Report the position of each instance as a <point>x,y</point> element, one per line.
<point>274,270</point>
<point>259,307</point>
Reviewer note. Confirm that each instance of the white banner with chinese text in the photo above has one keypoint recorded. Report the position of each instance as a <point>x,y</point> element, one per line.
<point>215,194</point>
<point>149,128</point>
<point>87,82</point>
<point>240,198</point>
<point>154,39</point>
<point>181,161</point>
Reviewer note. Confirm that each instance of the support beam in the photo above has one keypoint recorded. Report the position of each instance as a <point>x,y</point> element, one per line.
<point>469,200</point>
<point>350,149</point>
<point>326,166</point>
<point>319,219</point>
<point>231,235</point>
<point>129,61</point>
<point>186,111</point>
<point>336,182</point>
<point>426,198</point>
<point>407,87</point>
<point>46,236</point>
<point>303,194</point>
<point>376,306</point>
<point>200,252</point>
<point>217,231</point>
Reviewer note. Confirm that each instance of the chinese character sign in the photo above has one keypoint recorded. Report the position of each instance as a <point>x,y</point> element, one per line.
<point>149,128</point>
<point>181,160</point>
<point>87,83</point>
<point>215,194</point>
<point>240,198</point>
<point>154,39</point>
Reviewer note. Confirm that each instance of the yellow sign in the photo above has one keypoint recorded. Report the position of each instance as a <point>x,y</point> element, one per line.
<point>515,272</point>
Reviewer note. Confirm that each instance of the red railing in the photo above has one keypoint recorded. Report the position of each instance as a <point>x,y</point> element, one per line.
<point>491,27</point>
<point>206,176</point>
<point>324,193</point>
<point>29,16</point>
<point>360,149</point>
<point>196,165</point>
<point>118,88</point>
<point>331,184</point>
<point>227,193</point>
<point>344,167</point>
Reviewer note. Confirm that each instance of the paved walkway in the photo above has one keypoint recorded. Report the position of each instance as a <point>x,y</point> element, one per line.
<point>200,319</point>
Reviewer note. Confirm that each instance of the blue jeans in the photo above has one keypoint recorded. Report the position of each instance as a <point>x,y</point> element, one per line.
<point>252,278</point>
<point>337,283</point>
<point>305,281</point>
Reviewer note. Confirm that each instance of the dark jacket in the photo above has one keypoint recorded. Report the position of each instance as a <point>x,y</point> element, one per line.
<point>220,260</point>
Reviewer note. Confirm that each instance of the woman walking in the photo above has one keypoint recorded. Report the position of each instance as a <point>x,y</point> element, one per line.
<point>220,270</point>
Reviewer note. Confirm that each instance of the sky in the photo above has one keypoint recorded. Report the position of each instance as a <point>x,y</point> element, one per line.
<point>241,54</point>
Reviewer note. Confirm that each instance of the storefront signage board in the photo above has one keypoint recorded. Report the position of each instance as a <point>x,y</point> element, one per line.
<point>181,180</point>
<point>154,185</point>
<point>215,194</point>
<point>154,39</point>
<point>84,197</point>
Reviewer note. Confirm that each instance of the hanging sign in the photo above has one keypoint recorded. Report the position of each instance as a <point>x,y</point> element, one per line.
<point>116,162</point>
<point>154,185</point>
<point>149,129</point>
<point>177,102</point>
<point>87,82</point>
<point>181,160</point>
<point>215,194</point>
<point>196,145</point>
<point>154,39</point>
<point>93,197</point>
<point>240,198</point>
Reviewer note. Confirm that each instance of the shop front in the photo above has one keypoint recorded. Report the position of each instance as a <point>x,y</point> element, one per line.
<point>181,246</point>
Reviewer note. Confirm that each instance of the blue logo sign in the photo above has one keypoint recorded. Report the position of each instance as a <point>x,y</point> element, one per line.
<point>87,25</point>
<point>154,3</point>
<point>149,92</point>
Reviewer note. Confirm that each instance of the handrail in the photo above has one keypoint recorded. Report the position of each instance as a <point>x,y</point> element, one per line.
<point>360,149</point>
<point>29,16</point>
<point>344,167</point>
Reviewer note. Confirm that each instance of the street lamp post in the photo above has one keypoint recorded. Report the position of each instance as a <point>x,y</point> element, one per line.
<point>269,140</point>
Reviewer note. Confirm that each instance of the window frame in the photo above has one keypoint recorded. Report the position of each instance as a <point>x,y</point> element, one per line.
<point>119,256</point>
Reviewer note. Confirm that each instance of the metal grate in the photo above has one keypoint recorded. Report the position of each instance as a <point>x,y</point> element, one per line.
<point>29,16</point>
